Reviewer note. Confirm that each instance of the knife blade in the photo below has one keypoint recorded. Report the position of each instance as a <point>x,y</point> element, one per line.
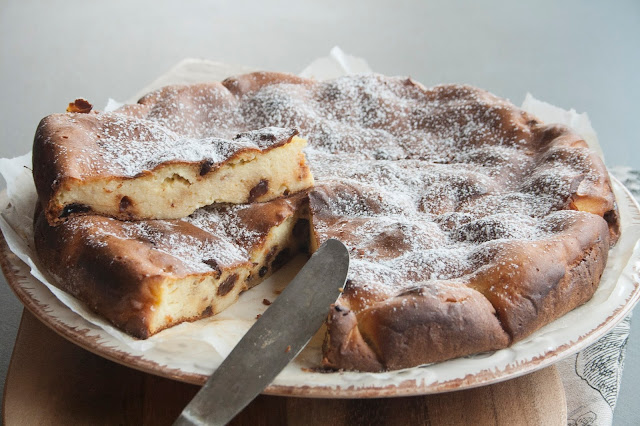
<point>273,341</point>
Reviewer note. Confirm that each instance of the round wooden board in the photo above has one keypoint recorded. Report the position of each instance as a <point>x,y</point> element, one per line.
<point>53,381</point>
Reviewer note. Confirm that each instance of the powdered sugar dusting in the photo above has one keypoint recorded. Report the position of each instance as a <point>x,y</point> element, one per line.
<point>127,146</point>
<point>225,221</point>
<point>417,182</point>
<point>226,240</point>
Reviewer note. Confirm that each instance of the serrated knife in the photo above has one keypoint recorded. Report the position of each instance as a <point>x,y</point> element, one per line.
<point>273,341</point>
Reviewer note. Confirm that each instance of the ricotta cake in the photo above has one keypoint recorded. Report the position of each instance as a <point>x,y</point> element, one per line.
<point>131,167</point>
<point>470,223</point>
<point>144,276</point>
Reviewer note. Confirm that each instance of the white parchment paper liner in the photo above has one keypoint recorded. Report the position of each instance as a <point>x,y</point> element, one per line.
<point>198,348</point>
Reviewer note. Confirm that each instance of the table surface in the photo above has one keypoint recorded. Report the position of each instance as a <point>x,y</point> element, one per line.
<point>72,386</point>
<point>576,54</point>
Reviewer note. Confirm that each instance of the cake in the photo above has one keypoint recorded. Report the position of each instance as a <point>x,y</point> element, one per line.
<point>470,223</point>
<point>131,166</point>
<point>144,276</point>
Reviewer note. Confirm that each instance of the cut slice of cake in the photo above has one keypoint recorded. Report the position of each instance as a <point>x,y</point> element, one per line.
<point>130,168</point>
<point>145,276</point>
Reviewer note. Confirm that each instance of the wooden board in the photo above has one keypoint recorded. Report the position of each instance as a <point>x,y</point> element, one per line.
<point>52,381</point>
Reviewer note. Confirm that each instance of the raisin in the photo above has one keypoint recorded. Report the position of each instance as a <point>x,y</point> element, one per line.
<point>213,264</point>
<point>227,285</point>
<point>125,204</point>
<point>259,190</point>
<point>74,208</point>
<point>206,167</point>
<point>263,271</point>
<point>280,259</point>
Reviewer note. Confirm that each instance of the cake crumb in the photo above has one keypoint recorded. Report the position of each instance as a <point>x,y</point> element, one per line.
<point>80,105</point>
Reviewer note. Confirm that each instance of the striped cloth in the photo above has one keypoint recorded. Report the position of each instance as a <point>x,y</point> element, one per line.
<point>591,378</point>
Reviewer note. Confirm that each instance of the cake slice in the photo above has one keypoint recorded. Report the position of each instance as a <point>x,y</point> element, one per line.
<point>125,167</point>
<point>145,276</point>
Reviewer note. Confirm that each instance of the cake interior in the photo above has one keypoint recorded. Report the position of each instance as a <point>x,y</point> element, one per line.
<point>197,296</point>
<point>176,190</point>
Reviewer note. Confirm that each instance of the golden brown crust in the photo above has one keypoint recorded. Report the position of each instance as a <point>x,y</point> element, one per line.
<point>428,324</point>
<point>76,149</point>
<point>531,285</point>
<point>114,280</point>
<point>117,268</point>
<point>520,292</point>
<point>344,347</point>
<point>470,224</point>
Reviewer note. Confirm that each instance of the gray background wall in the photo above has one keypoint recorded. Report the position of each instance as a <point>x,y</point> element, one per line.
<point>580,54</point>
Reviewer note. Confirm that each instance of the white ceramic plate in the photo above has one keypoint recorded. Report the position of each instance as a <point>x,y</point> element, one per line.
<point>190,352</point>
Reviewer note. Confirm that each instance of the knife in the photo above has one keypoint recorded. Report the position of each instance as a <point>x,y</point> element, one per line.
<point>273,341</point>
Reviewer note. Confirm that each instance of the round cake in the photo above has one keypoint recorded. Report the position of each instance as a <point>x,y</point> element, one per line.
<point>470,223</point>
